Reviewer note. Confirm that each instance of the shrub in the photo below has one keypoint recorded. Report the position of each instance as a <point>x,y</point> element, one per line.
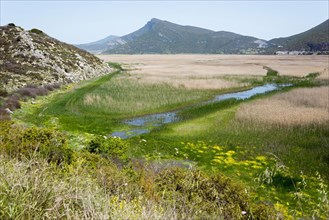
<point>4,115</point>
<point>36,31</point>
<point>12,102</point>
<point>29,91</point>
<point>19,142</point>
<point>272,73</point>
<point>51,87</point>
<point>207,197</point>
<point>111,147</point>
<point>32,91</point>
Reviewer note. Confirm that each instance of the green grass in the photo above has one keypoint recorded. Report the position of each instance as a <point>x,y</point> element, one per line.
<point>127,97</point>
<point>98,106</point>
<point>240,153</point>
<point>299,149</point>
<point>207,135</point>
<point>101,182</point>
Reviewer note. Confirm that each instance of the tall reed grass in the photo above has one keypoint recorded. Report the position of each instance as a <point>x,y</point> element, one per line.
<point>303,106</point>
<point>129,96</point>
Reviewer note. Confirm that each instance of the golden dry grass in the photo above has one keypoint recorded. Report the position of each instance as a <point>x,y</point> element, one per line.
<point>212,71</point>
<point>298,107</point>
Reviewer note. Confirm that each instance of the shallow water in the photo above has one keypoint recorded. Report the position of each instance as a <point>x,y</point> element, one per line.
<point>144,124</point>
<point>246,94</point>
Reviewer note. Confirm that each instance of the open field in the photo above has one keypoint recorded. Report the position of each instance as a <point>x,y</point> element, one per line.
<point>215,71</point>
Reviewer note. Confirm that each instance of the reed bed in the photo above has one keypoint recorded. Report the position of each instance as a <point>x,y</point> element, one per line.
<point>128,96</point>
<point>213,66</point>
<point>303,106</point>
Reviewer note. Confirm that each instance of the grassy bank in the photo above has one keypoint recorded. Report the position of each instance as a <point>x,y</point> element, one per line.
<point>283,161</point>
<point>111,98</point>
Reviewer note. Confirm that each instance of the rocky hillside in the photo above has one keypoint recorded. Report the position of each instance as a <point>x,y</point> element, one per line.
<point>32,57</point>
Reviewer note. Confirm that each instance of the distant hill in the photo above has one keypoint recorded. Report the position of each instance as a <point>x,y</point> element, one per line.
<point>98,47</point>
<point>32,57</point>
<point>315,39</point>
<point>159,36</point>
<point>164,37</point>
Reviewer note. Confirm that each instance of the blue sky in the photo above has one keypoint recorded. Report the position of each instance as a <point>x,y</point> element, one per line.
<point>86,21</point>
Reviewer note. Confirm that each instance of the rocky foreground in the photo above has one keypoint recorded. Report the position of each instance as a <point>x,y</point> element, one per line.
<point>34,58</point>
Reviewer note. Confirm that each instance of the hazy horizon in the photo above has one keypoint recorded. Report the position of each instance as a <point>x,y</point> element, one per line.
<point>79,22</point>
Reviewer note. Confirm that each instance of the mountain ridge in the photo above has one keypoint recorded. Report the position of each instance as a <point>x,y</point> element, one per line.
<point>319,35</point>
<point>160,36</point>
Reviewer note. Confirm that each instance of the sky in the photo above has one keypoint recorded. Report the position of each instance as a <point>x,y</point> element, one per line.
<point>86,21</point>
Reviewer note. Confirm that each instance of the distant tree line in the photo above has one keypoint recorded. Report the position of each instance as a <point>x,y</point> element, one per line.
<point>324,46</point>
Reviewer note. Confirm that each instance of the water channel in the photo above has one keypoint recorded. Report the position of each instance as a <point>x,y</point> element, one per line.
<point>144,124</point>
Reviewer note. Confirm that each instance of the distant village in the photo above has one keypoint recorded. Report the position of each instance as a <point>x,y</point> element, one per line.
<point>301,52</point>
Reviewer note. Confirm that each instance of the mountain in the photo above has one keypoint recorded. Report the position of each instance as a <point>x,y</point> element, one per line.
<point>98,47</point>
<point>33,57</point>
<point>315,39</point>
<point>159,36</point>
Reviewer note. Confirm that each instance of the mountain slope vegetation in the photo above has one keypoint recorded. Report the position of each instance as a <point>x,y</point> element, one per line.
<point>165,37</point>
<point>159,36</point>
<point>33,57</point>
<point>315,39</point>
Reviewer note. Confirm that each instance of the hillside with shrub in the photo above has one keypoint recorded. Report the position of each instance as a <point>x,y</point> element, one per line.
<point>34,58</point>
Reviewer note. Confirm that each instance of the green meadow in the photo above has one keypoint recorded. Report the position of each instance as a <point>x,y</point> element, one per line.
<point>209,164</point>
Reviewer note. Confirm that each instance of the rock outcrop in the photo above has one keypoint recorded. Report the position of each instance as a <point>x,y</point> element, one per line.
<point>32,57</point>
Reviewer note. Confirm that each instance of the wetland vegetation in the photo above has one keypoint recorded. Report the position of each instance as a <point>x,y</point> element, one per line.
<point>234,159</point>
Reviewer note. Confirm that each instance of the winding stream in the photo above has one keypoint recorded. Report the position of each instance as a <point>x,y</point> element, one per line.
<point>144,124</point>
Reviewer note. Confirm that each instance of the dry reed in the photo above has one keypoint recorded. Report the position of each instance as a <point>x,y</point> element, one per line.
<point>298,107</point>
<point>205,66</point>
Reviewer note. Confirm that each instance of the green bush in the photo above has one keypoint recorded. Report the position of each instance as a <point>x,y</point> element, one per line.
<point>36,31</point>
<point>272,73</point>
<point>206,196</point>
<point>18,142</point>
<point>109,147</point>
